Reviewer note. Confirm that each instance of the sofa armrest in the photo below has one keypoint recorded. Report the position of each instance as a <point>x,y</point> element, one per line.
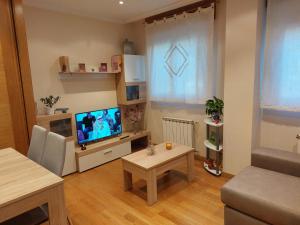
<point>276,160</point>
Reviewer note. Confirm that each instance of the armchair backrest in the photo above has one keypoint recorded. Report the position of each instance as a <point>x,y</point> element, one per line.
<point>276,160</point>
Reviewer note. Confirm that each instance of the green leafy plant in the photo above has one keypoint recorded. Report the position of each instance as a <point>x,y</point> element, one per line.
<point>214,106</point>
<point>50,101</point>
<point>212,138</point>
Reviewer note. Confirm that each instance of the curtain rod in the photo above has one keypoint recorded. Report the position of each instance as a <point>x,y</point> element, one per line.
<point>188,8</point>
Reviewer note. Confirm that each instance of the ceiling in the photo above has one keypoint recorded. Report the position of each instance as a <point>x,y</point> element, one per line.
<point>110,10</point>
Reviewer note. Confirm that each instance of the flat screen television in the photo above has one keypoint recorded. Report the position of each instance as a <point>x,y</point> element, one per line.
<point>97,125</point>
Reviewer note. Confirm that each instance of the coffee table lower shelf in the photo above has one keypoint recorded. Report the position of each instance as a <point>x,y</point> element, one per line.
<point>212,171</point>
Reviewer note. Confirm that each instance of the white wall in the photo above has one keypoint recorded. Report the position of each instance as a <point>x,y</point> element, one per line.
<point>51,35</point>
<point>155,111</point>
<point>260,35</point>
<point>241,82</point>
<point>279,130</point>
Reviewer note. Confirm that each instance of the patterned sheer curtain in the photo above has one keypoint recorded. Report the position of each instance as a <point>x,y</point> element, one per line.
<point>179,55</point>
<point>281,78</point>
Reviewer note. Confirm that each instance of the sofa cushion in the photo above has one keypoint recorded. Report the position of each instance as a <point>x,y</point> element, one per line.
<point>234,217</point>
<point>265,195</point>
<point>276,160</point>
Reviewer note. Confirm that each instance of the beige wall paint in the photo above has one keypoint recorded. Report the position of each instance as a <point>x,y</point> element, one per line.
<point>239,82</point>
<point>279,130</point>
<point>220,29</point>
<point>51,35</point>
<point>257,112</point>
<point>155,111</point>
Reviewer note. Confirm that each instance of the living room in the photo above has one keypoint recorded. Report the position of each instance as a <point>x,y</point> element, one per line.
<point>149,112</point>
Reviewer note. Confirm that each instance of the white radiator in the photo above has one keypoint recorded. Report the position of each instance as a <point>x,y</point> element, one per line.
<point>178,131</point>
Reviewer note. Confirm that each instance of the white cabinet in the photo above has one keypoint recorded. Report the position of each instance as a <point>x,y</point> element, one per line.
<point>100,157</point>
<point>134,68</point>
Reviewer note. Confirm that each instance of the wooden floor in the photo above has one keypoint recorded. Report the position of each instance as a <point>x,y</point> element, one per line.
<point>96,197</point>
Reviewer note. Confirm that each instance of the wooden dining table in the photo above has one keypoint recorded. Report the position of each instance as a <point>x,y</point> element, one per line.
<point>25,185</point>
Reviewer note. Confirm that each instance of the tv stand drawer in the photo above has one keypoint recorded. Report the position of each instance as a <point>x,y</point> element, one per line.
<point>98,158</point>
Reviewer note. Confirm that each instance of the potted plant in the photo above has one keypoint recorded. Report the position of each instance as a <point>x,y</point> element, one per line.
<point>214,109</point>
<point>49,102</point>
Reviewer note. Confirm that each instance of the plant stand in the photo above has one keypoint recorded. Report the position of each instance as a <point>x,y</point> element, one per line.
<point>217,147</point>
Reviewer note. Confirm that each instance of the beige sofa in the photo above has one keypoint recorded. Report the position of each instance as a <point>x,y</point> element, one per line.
<point>267,192</point>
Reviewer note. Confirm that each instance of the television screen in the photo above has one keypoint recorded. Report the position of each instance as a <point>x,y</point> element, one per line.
<point>97,125</point>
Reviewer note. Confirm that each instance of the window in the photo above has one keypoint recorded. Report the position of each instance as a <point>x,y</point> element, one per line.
<point>179,58</point>
<point>281,78</point>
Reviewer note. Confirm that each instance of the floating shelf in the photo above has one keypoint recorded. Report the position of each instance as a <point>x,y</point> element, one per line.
<point>209,122</point>
<point>212,171</point>
<point>134,102</point>
<point>80,75</point>
<point>212,146</point>
<point>86,73</point>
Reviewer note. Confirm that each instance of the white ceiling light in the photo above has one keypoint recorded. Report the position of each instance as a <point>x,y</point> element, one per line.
<point>121,2</point>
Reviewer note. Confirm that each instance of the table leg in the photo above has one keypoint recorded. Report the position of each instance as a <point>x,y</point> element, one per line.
<point>151,187</point>
<point>56,206</point>
<point>190,166</point>
<point>127,180</point>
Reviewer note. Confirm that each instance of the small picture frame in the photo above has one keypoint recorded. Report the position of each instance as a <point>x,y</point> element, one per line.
<point>116,63</point>
<point>81,67</point>
<point>103,67</point>
<point>64,64</point>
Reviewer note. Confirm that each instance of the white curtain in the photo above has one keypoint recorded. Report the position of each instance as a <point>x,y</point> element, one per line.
<point>179,56</point>
<point>281,78</point>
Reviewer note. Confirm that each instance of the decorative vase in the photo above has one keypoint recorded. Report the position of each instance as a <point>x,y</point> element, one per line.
<point>215,116</point>
<point>169,146</point>
<point>49,111</point>
<point>150,150</point>
<point>128,47</point>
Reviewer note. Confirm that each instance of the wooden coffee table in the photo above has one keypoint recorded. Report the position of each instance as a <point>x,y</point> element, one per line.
<point>149,167</point>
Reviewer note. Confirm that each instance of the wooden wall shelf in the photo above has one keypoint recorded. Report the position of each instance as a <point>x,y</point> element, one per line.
<point>86,73</point>
<point>80,75</point>
<point>134,102</point>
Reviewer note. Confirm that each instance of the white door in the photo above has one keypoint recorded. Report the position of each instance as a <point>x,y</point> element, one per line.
<point>134,68</point>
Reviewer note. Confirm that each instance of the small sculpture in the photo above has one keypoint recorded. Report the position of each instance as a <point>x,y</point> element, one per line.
<point>151,150</point>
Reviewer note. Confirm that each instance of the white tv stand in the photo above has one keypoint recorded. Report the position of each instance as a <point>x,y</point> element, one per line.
<point>99,153</point>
